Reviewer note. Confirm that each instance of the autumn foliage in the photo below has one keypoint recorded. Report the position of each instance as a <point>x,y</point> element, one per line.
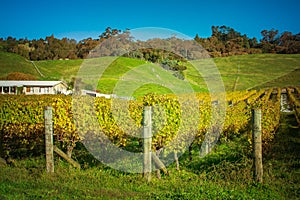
<point>22,126</point>
<point>19,76</point>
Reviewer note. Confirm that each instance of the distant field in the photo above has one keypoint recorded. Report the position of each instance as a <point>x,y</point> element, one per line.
<point>237,72</point>
<point>59,69</point>
<point>254,71</point>
<point>290,79</point>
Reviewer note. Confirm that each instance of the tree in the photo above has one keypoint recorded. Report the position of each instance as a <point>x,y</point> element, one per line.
<point>197,38</point>
<point>38,52</point>
<point>253,43</point>
<point>269,36</point>
<point>268,42</point>
<point>85,46</point>
<point>288,43</point>
<point>108,33</point>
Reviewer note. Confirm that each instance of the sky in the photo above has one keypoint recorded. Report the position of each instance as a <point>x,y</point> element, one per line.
<point>89,18</point>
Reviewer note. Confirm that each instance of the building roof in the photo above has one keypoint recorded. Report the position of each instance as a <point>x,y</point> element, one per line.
<point>29,83</point>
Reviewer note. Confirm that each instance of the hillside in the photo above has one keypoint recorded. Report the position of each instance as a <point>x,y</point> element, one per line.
<point>239,72</point>
<point>289,79</point>
<point>10,62</point>
<point>254,71</point>
<point>59,69</point>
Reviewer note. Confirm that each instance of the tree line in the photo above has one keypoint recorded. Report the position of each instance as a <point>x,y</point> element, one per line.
<point>224,41</point>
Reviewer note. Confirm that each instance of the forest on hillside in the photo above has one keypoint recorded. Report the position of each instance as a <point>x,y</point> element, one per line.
<point>224,41</point>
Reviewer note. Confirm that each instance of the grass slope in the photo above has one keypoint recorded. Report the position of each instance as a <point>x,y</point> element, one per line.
<point>59,69</point>
<point>289,79</point>
<point>10,62</point>
<point>254,71</point>
<point>126,77</point>
<point>246,71</point>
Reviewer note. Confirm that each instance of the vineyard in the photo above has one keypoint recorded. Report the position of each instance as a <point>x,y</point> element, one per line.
<point>223,173</point>
<point>22,125</point>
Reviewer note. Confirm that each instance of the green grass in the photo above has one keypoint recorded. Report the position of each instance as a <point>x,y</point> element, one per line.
<point>151,88</point>
<point>96,183</point>
<point>59,69</point>
<point>10,62</point>
<point>289,79</point>
<point>254,71</point>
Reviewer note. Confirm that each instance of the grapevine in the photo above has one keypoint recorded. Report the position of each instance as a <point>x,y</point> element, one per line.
<point>22,125</point>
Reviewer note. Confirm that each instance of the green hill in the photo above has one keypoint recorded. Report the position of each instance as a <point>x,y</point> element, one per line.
<point>10,62</point>
<point>290,79</point>
<point>253,71</point>
<point>59,69</point>
<point>238,72</point>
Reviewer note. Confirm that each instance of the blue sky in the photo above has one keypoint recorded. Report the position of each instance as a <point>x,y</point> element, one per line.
<point>82,19</point>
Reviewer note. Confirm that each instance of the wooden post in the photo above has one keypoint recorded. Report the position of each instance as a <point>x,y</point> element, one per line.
<point>147,142</point>
<point>159,164</point>
<point>206,147</point>
<point>66,157</point>
<point>176,160</point>
<point>49,139</point>
<point>257,146</point>
<point>1,145</point>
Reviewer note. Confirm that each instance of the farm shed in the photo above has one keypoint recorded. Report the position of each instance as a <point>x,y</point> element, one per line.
<point>33,87</point>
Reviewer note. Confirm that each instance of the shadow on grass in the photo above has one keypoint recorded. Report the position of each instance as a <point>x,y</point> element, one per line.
<point>227,161</point>
<point>286,144</point>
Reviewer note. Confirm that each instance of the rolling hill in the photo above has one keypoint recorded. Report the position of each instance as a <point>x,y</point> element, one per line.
<point>238,72</point>
<point>254,70</point>
<point>10,62</point>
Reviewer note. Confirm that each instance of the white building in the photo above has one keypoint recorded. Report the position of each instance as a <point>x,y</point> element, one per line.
<point>96,94</point>
<point>33,87</point>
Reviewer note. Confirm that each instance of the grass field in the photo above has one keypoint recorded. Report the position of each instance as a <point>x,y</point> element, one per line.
<point>10,62</point>
<point>237,72</point>
<point>59,69</point>
<point>290,79</point>
<point>254,71</point>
